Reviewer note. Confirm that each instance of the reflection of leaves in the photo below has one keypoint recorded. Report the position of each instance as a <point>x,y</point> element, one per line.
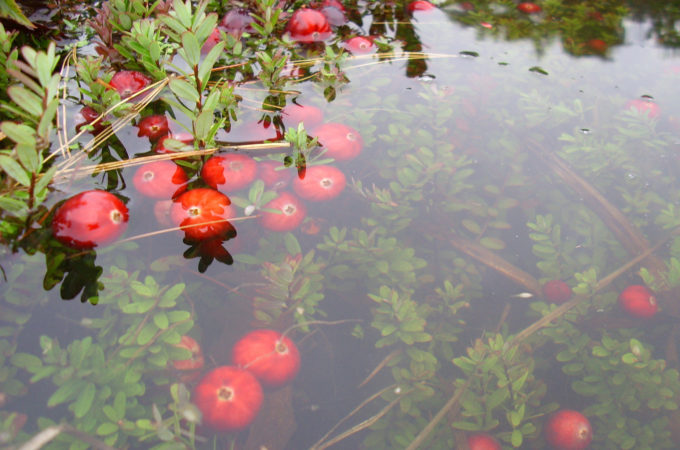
<point>78,273</point>
<point>209,250</point>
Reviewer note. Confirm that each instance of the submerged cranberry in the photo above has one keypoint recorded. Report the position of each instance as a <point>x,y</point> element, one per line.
<point>556,291</point>
<point>638,301</point>
<point>87,116</point>
<point>334,12</point>
<point>289,212</point>
<point>644,106</point>
<point>360,45</point>
<point>274,174</point>
<point>129,82</point>
<point>90,219</point>
<point>308,25</point>
<point>320,183</point>
<point>292,114</point>
<point>153,127</point>
<point>568,430</point>
<point>341,142</point>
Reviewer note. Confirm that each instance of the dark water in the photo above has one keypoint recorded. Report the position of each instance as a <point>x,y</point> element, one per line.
<point>459,153</point>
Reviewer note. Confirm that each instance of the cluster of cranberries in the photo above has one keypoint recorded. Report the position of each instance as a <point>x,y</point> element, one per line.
<point>229,397</point>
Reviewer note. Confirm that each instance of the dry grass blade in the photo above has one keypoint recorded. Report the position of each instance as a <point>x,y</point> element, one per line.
<point>495,262</point>
<point>321,445</point>
<point>182,228</point>
<point>393,354</point>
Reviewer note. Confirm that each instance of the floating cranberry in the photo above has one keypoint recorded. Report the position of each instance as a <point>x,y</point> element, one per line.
<point>202,213</point>
<point>644,106</point>
<point>229,398</point>
<point>420,5</point>
<point>160,179</point>
<point>308,25</point>
<point>289,213</point>
<point>90,219</point>
<point>129,82</point>
<point>568,430</point>
<point>320,183</point>
<point>87,116</point>
<point>195,361</point>
<point>638,301</point>
<point>274,174</point>
<point>272,358</point>
<point>228,173</point>
<point>360,45</point>
<point>293,114</point>
<point>154,127</point>
<point>557,291</point>
<point>482,441</point>
<point>529,8</point>
<point>340,141</point>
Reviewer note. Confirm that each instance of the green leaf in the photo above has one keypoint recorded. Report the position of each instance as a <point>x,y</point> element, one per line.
<point>28,157</point>
<point>65,392</point>
<point>169,296</point>
<point>10,10</point>
<point>184,90</point>
<point>14,170</point>
<point>204,121</point>
<point>147,333</point>
<point>106,428</point>
<point>516,438</point>
<point>26,99</point>
<point>208,63</point>
<point>27,361</point>
<point>83,403</point>
<point>492,243</point>
<point>467,426</point>
<point>161,320</point>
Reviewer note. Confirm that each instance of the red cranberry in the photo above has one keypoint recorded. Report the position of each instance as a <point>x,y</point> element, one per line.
<point>420,5</point>
<point>482,441</point>
<point>638,301</point>
<point>90,219</point>
<point>556,291</point>
<point>274,174</point>
<point>568,430</point>
<point>87,116</point>
<point>644,106</point>
<point>292,114</point>
<point>360,45</point>
<point>308,25</point>
<point>153,127</point>
<point>185,138</point>
<point>129,82</point>
<point>529,8</point>
<point>341,142</point>
<point>334,12</point>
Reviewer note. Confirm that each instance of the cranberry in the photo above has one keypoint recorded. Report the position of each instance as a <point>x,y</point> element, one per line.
<point>129,82</point>
<point>334,12</point>
<point>556,291</point>
<point>272,358</point>
<point>274,174</point>
<point>202,213</point>
<point>87,116</point>
<point>568,430</point>
<point>90,219</point>
<point>597,45</point>
<point>229,172</point>
<point>289,212</point>
<point>340,141</point>
<point>153,127</point>
<point>420,5</point>
<point>160,179</point>
<point>529,8</point>
<point>293,114</point>
<point>638,301</point>
<point>229,398</point>
<point>308,25</point>
<point>320,183</point>
<point>213,39</point>
<point>644,106</point>
<point>360,45</point>
<point>482,441</point>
